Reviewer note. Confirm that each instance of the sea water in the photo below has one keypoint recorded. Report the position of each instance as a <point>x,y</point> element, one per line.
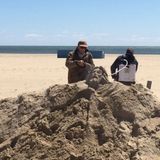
<point>54,49</point>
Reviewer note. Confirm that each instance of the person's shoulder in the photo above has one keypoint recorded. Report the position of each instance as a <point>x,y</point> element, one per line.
<point>136,61</point>
<point>70,53</point>
<point>89,53</point>
<point>135,58</point>
<point>120,57</point>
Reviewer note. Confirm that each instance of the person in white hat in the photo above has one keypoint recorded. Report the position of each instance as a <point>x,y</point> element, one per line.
<point>79,63</point>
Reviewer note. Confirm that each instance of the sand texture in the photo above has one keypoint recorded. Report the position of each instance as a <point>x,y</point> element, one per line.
<point>92,120</point>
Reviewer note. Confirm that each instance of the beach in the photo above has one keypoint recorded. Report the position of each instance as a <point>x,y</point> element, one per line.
<point>49,121</point>
<point>25,73</point>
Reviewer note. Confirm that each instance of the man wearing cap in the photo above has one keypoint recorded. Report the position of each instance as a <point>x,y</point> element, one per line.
<point>79,63</point>
<point>124,68</point>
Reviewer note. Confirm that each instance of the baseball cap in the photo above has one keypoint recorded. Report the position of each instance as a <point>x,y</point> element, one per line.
<point>82,44</point>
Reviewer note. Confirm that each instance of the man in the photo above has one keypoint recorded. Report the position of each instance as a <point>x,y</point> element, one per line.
<point>124,68</point>
<point>79,63</point>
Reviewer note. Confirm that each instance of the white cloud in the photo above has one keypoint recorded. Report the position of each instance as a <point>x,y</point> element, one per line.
<point>33,35</point>
<point>67,38</point>
<point>139,38</point>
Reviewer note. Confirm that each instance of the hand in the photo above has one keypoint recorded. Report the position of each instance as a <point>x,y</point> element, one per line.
<point>81,63</point>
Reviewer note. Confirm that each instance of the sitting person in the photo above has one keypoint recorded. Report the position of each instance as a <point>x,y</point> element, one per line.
<point>79,63</point>
<point>124,68</point>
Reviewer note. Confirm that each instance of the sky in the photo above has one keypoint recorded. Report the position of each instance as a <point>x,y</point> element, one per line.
<point>65,22</point>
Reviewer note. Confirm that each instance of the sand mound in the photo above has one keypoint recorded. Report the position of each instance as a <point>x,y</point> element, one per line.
<point>92,120</point>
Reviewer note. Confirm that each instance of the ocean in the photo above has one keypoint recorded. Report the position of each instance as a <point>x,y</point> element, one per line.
<point>54,49</point>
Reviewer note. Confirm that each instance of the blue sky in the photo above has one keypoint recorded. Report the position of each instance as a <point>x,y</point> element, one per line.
<point>65,22</point>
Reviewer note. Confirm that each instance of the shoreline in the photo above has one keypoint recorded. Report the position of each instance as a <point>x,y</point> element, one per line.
<point>23,73</point>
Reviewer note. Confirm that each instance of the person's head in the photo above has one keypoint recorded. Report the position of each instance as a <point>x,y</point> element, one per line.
<point>130,54</point>
<point>82,46</point>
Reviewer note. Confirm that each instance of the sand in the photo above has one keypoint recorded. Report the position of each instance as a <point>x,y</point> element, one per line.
<point>96,120</point>
<point>22,73</point>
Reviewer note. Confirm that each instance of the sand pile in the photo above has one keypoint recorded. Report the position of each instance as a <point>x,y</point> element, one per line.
<point>93,120</point>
